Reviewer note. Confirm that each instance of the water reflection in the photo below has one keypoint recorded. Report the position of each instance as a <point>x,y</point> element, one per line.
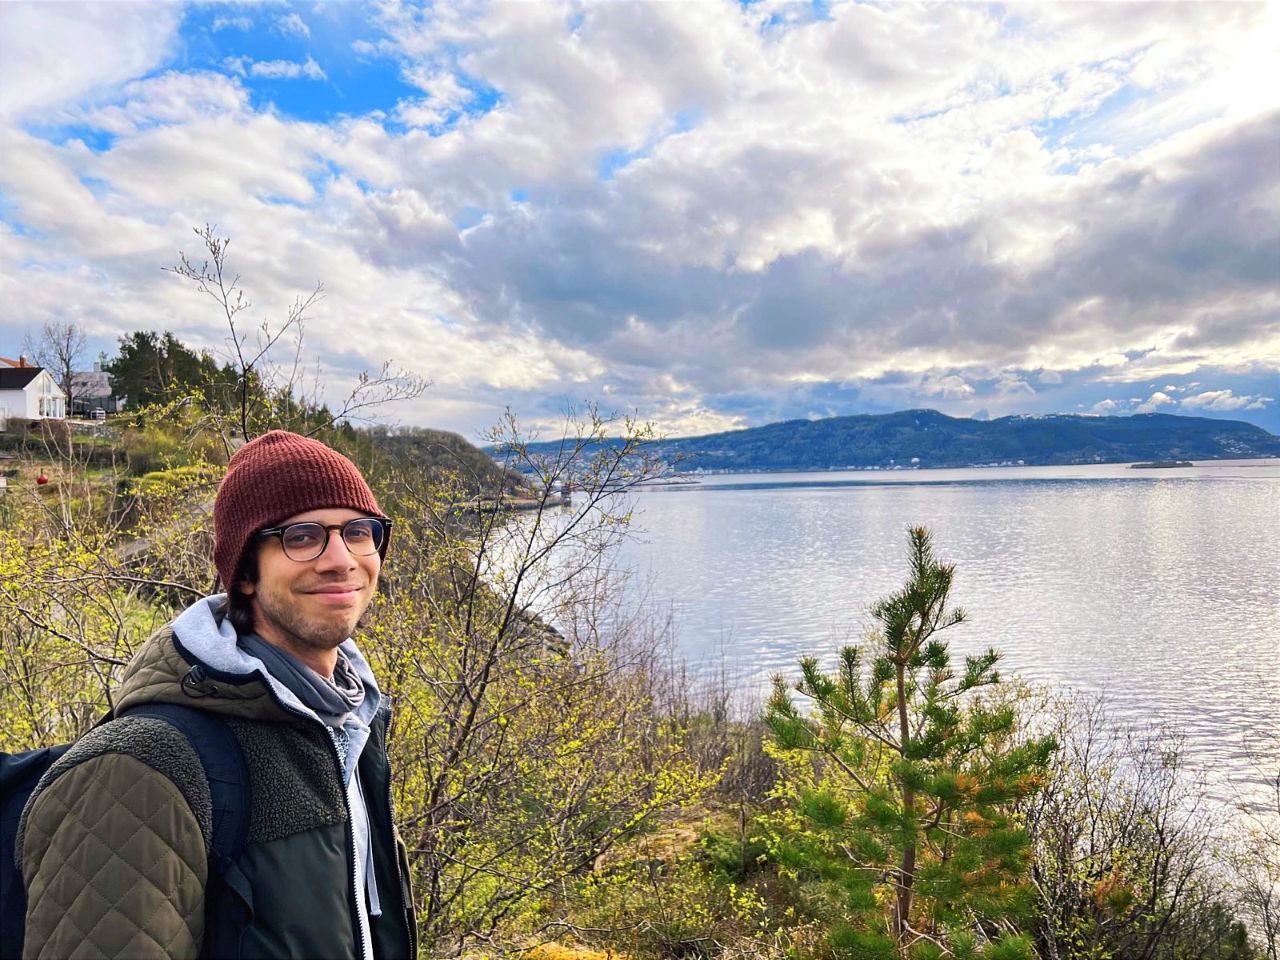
<point>1158,589</point>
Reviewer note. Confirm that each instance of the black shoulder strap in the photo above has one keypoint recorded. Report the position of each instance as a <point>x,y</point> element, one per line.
<point>228,896</point>
<point>224,766</point>
<point>19,774</point>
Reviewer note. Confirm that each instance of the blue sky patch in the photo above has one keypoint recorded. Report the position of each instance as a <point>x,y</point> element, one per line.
<point>469,217</point>
<point>614,160</point>
<point>1086,127</point>
<point>322,174</point>
<point>9,216</point>
<point>96,186</point>
<point>99,141</point>
<point>316,76</point>
<point>484,98</point>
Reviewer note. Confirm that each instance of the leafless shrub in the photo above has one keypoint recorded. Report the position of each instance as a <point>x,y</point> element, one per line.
<point>269,392</point>
<point>1127,857</point>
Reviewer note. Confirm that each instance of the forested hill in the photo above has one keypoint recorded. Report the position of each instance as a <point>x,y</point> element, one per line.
<point>937,440</point>
<point>435,452</point>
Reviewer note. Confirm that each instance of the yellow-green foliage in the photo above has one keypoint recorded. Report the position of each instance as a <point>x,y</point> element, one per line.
<point>519,758</point>
<point>173,435</point>
<point>556,951</point>
<point>169,528</point>
<point>662,902</point>
<point>67,625</point>
<point>177,480</point>
<point>520,761</point>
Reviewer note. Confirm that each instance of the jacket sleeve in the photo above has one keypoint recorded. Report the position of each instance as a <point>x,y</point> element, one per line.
<point>114,863</point>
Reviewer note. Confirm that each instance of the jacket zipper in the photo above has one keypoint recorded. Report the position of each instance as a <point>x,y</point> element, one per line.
<point>346,802</point>
<point>355,854</point>
<point>404,905</point>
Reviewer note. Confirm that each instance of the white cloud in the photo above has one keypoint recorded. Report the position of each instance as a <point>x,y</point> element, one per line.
<point>1223,400</point>
<point>1154,403</point>
<point>373,48</point>
<point>947,388</point>
<point>905,203</point>
<point>293,25</point>
<point>52,53</point>
<point>1011,384</point>
<point>1105,408</point>
<point>169,98</point>
<point>287,69</point>
<point>443,95</point>
<point>690,417</point>
<point>231,23</point>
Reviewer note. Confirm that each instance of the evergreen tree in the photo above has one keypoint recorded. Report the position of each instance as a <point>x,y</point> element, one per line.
<point>900,785</point>
<point>154,368</point>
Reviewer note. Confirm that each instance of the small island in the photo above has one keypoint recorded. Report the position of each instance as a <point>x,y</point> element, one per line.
<point>1161,465</point>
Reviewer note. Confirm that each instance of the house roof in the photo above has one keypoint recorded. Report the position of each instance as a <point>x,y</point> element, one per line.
<point>91,384</point>
<point>16,378</point>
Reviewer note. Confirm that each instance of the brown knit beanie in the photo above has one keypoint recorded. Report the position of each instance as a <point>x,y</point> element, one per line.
<point>272,478</point>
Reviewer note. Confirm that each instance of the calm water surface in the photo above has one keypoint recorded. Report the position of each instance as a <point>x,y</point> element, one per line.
<point>1159,589</point>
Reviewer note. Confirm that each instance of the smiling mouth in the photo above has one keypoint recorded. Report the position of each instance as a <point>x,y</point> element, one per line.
<point>333,586</point>
<point>336,594</point>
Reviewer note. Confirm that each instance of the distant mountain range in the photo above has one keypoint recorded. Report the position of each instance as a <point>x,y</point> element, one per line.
<point>927,438</point>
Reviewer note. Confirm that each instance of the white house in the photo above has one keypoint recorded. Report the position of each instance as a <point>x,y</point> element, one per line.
<point>30,392</point>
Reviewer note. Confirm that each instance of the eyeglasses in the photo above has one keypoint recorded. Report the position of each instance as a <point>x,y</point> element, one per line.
<point>306,541</point>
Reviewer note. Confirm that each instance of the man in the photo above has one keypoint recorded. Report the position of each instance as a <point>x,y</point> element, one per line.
<point>116,840</point>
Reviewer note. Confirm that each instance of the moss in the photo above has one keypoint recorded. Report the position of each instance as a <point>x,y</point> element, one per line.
<point>174,479</point>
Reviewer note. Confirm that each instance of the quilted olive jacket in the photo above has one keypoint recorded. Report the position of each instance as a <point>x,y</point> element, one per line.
<point>115,839</point>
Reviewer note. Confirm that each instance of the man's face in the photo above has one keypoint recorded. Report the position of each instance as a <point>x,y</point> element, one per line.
<point>313,604</point>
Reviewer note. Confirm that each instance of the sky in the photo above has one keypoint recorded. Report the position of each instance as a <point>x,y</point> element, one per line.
<point>711,215</point>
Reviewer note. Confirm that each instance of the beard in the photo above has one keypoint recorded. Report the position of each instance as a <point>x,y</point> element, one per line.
<point>308,631</point>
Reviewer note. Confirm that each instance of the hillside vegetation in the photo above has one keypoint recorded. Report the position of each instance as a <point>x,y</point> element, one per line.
<point>927,438</point>
<point>440,452</point>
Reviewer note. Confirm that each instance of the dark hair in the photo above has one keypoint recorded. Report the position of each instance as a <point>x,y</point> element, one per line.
<point>239,607</point>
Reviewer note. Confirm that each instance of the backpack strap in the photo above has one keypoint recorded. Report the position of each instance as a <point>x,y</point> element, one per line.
<point>228,897</point>
<point>19,773</point>
<point>224,767</point>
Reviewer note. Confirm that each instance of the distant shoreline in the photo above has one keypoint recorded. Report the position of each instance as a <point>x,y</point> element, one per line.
<point>917,468</point>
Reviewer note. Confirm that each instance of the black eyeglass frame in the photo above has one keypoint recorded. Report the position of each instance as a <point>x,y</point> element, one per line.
<point>381,551</point>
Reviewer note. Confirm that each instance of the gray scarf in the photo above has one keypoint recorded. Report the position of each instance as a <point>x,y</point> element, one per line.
<point>332,700</point>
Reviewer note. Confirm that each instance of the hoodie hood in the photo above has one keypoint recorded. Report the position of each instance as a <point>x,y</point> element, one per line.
<point>196,660</point>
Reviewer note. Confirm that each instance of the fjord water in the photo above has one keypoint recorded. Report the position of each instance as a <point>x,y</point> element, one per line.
<point>1158,589</point>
